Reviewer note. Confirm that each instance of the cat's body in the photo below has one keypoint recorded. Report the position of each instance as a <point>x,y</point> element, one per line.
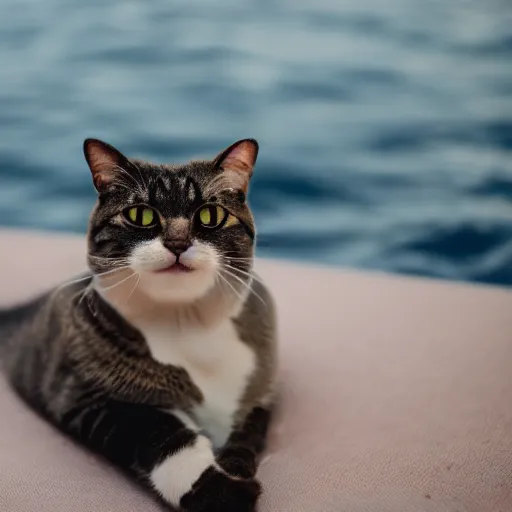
<point>164,358</point>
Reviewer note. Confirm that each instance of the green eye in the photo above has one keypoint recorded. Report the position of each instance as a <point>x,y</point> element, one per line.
<point>205,216</point>
<point>212,216</point>
<point>142,216</point>
<point>147,216</point>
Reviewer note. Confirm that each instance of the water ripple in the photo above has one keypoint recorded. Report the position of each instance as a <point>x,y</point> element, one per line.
<point>385,127</point>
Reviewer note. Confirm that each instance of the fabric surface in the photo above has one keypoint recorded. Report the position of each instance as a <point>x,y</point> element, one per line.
<point>396,396</point>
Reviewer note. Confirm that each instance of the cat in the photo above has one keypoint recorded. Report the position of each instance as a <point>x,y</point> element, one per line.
<point>162,358</point>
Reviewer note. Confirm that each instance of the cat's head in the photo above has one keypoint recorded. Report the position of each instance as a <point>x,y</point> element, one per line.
<point>178,230</point>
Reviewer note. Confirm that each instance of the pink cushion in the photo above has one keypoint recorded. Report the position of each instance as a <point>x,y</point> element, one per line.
<point>396,396</point>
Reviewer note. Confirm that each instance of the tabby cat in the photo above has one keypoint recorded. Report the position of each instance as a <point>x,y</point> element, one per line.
<point>162,358</point>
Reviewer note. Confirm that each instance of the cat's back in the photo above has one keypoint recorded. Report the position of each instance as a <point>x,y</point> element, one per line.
<point>33,335</point>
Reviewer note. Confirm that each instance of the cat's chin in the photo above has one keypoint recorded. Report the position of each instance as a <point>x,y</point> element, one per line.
<point>177,283</point>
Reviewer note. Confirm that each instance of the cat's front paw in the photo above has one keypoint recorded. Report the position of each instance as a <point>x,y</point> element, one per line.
<point>238,461</point>
<point>215,491</point>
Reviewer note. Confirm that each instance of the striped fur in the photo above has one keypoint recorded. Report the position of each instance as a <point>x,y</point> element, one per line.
<point>139,363</point>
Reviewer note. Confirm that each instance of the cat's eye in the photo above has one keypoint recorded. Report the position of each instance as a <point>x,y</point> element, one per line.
<point>142,216</point>
<point>212,216</point>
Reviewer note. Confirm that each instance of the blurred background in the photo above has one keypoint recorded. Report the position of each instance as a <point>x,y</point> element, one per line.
<point>385,127</point>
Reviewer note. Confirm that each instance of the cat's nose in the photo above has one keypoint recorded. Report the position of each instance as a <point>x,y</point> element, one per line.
<point>177,247</point>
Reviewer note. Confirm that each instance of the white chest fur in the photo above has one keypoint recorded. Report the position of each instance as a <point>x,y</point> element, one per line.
<point>218,362</point>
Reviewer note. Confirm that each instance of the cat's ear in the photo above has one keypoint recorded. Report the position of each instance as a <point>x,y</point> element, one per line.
<point>105,162</point>
<point>239,160</point>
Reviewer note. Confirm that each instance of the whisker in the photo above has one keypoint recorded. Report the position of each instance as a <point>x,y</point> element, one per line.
<point>224,181</point>
<point>117,264</point>
<point>117,183</point>
<point>250,274</point>
<point>245,261</point>
<point>218,280</point>
<point>247,285</point>
<point>134,288</point>
<point>231,286</point>
<point>69,283</point>
<point>108,258</point>
<point>86,290</point>
<point>88,302</point>
<point>140,174</point>
<point>249,288</point>
<point>117,284</point>
<point>236,277</point>
<point>107,272</point>
<point>88,276</point>
<point>125,172</point>
<point>243,272</point>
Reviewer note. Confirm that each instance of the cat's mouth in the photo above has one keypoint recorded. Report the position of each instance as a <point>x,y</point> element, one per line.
<point>175,268</point>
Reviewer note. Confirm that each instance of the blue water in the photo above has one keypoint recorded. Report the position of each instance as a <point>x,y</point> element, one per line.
<point>385,126</point>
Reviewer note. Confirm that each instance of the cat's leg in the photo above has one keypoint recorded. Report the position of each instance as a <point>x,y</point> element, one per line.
<point>165,451</point>
<point>240,453</point>
<point>135,378</point>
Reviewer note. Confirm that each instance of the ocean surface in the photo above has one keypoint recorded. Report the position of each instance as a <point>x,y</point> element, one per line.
<point>385,127</point>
